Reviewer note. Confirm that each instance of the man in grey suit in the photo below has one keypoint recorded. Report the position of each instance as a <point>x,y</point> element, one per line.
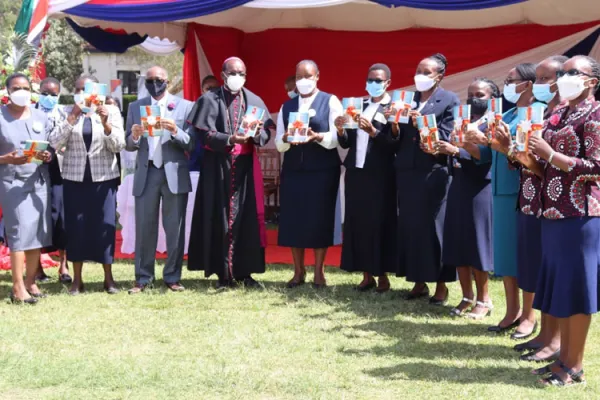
<point>161,173</point>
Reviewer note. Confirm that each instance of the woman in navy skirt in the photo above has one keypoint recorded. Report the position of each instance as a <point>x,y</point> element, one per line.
<point>310,175</point>
<point>568,283</point>
<point>90,179</point>
<point>529,225</point>
<point>468,226</point>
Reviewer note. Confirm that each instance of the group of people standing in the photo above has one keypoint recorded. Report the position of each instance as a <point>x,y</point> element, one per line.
<point>429,214</point>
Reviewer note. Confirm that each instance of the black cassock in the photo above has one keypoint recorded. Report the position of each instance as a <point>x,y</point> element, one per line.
<point>228,236</point>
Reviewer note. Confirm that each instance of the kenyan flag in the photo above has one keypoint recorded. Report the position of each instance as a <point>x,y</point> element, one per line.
<point>32,20</point>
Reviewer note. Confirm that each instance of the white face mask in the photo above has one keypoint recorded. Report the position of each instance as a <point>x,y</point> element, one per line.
<point>78,98</point>
<point>570,87</point>
<point>21,97</point>
<point>423,82</point>
<point>306,86</point>
<point>235,82</point>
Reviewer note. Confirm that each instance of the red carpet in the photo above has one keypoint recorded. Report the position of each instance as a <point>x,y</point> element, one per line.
<point>274,253</point>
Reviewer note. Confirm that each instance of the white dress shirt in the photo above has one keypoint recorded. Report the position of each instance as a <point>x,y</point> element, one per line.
<point>362,137</point>
<point>329,138</point>
<point>154,143</point>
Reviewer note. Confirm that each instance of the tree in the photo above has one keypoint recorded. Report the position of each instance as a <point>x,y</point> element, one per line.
<point>173,63</point>
<point>63,51</point>
<point>9,10</point>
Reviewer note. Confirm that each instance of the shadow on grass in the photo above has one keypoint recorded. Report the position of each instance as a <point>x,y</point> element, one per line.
<point>425,371</point>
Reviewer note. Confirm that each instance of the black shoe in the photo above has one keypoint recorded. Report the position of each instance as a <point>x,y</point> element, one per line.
<point>499,329</point>
<point>224,284</point>
<point>437,302</point>
<point>30,301</point>
<point>532,357</point>
<point>414,296</point>
<point>42,278</point>
<point>527,346</point>
<point>112,289</point>
<point>38,295</point>
<point>250,283</point>
<point>365,288</point>
<point>522,336</point>
<point>319,286</point>
<point>65,279</point>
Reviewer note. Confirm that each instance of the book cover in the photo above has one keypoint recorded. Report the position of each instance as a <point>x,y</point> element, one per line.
<point>531,122</point>
<point>298,127</point>
<point>150,116</point>
<point>251,120</point>
<point>428,131</point>
<point>352,110</point>
<point>494,116</point>
<point>94,95</point>
<point>462,118</point>
<point>30,148</point>
<point>401,104</point>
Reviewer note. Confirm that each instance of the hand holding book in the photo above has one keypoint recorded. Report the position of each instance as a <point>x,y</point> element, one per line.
<point>367,126</point>
<point>14,158</point>
<point>44,156</point>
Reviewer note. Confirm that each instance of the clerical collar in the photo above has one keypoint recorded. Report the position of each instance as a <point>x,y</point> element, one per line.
<point>385,100</point>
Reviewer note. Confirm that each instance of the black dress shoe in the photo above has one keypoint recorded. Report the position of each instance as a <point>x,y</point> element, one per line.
<point>527,346</point>
<point>250,283</point>
<point>43,278</point>
<point>38,295</point>
<point>414,296</point>
<point>532,357</point>
<point>112,289</point>
<point>30,301</point>
<point>224,284</point>
<point>437,302</point>
<point>522,336</point>
<point>365,288</point>
<point>65,279</point>
<point>319,285</point>
<point>499,329</point>
<point>294,284</point>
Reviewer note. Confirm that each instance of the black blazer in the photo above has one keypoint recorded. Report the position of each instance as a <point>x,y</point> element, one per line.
<point>409,155</point>
<point>380,149</point>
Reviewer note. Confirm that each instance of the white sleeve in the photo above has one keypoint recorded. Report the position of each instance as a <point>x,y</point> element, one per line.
<point>330,140</point>
<point>281,146</point>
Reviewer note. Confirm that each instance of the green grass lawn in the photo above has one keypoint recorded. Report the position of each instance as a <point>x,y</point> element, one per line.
<point>272,344</point>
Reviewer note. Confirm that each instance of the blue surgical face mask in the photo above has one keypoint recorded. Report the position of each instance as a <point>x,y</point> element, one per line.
<point>292,94</point>
<point>542,92</point>
<point>510,93</point>
<point>48,102</point>
<point>375,89</point>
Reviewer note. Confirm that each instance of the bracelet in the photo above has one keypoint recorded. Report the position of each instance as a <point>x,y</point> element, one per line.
<point>511,152</point>
<point>551,157</point>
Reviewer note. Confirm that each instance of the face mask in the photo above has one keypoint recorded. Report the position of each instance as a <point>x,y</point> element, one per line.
<point>570,87</point>
<point>292,94</point>
<point>306,86</point>
<point>48,102</point>
<point>156,89</point>
<point>235,82</point>
<point>21,97</point>
<point>78,98</point>
<point>478,106</point>
<point>375,89</point>
<point>510,93</point>
<point>423,82</point>
<point>542,92</point>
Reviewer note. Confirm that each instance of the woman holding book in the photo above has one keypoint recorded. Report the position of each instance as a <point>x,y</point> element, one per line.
<point>518,89</point>
<point>468,226</point>
<point>422,182</point>
<point>569,164</point>
<point>544,347</point>
<point>25,186</point>
<point>91,179</point>
<point>310,175</point>
<point>370,217</point>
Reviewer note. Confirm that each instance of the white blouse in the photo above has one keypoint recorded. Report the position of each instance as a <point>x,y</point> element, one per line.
<point>329,138</point>
<point>362,137</point>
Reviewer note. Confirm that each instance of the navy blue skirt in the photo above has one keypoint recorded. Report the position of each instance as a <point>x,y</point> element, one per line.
<point>468,225</point>
<point>308,200</point>
<point>90,220</point>
<point>529,251</point>
<point>568,279</point>
<point>57,207</point>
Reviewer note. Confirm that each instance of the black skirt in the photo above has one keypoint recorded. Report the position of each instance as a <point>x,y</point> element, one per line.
<point>308,200</point>
<point>90,220</point>
<point>369,222</point>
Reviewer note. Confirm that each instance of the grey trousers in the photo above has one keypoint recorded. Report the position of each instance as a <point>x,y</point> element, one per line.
<point>146,228</point>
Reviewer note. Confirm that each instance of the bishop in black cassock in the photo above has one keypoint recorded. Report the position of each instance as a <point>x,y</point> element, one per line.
<point>228,233</point>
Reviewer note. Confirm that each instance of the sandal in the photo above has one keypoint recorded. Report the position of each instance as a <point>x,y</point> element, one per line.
<point>556,380</point>
<point>457,312</point>
<point>547,370</point>
<point>482,304</point>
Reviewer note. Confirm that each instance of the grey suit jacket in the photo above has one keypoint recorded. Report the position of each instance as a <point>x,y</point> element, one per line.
<point>175,159</point>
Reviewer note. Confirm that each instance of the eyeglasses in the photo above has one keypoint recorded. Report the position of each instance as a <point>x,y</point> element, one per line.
<point>48,94</point>
<point>375,80</point>
<point>572,72</point>
<point>155,80</point>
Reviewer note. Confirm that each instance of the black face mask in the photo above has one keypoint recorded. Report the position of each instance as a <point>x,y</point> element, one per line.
<point>156,88</point>
<point>478,106</point>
